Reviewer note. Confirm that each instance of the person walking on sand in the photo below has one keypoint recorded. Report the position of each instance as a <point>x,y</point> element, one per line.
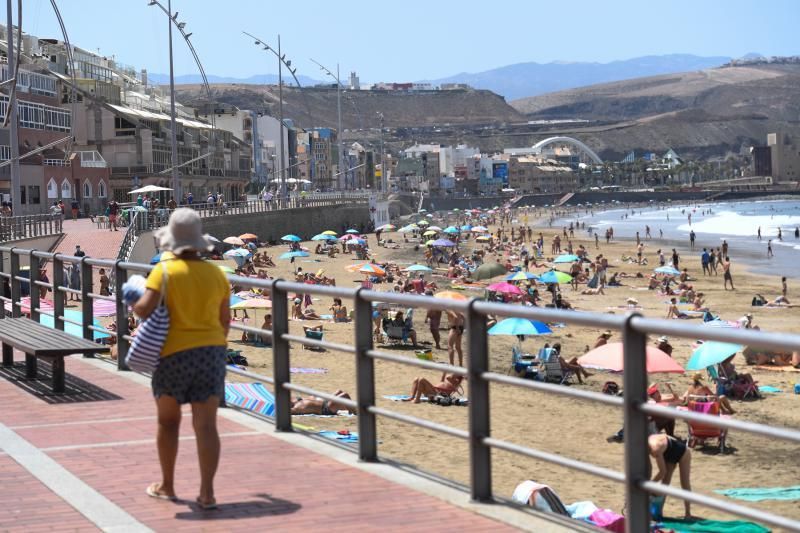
<point>784,288</point>
<point>726,268</point>
<point>769,248</point>
<point>192,365</point>
<point>759,233</point>
<point>704,259</point>
<point>692,237</point>
<point>455,336</point>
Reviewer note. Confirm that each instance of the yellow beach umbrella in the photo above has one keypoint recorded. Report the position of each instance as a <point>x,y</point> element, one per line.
<point>329,232</point>
<point>429,233</point>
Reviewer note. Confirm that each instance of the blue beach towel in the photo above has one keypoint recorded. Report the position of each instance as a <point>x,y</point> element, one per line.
<point>769,388</point>
<point>761,494</point>
<point>712,526</point>
<point>350,438</point>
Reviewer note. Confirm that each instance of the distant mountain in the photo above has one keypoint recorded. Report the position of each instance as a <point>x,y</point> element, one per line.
<point>530,79</point>
<point>258,79</point>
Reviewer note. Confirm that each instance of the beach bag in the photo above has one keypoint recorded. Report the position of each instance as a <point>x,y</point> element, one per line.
<point>144,353</point>
<point>611,388</point>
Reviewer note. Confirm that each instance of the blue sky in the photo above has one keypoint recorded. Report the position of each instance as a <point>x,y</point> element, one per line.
<point>420,39</point>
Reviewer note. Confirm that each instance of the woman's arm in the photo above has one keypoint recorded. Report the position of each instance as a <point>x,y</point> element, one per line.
<point>145,305</point>
<point>662,467</point>
<point>225,315</point>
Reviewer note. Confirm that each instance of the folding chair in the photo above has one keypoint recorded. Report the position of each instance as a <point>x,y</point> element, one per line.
<point>699,432</point>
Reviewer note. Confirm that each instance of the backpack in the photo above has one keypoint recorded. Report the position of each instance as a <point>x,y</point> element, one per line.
<point>611,388</point>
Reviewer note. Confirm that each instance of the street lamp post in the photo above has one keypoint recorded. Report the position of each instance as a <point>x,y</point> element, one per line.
<point>384,179</point>
<point>12,116</point>
<point>338,111</point>
<point>173,123</point>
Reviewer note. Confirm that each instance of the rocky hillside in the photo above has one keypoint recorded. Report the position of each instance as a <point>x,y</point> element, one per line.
<point>313,106</point>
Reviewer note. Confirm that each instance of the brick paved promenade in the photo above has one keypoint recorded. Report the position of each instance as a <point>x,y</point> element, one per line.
<point>84,465</point>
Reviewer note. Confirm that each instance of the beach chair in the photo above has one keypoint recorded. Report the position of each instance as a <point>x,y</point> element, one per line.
<point>521,366</point>
<point>313,334</point>
<point>394,334</point>
<point>553,372</point>
<point>738,389</point>
<point>699,433</point>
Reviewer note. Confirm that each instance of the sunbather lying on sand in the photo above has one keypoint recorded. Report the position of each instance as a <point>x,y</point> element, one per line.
<point>422,387</point>
<point>317,406</point>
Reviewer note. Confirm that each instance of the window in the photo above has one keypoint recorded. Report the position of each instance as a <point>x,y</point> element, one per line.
<point>66,189</point>
<point>22,195</point>
<point>34,197</point>
<point>101,189</point>
<point>52,189</point>
<point>87,189</point>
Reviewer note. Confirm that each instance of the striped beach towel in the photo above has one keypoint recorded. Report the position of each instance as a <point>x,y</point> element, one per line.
<point>251,396</point>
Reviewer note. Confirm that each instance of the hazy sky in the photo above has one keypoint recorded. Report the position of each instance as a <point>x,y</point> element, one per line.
<point>419,39</point>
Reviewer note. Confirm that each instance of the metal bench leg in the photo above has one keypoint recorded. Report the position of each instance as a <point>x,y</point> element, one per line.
<point>31,367</point>
<point>58,374</point>
<point>8,355</point>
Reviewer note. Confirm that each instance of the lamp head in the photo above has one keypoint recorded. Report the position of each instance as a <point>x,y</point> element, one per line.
<point>258,43</point>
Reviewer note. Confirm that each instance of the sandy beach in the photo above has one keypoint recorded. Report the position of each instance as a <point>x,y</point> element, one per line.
<point>556,424</point>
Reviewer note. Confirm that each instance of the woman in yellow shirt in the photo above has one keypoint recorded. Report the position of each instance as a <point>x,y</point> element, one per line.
<point>192,366</point>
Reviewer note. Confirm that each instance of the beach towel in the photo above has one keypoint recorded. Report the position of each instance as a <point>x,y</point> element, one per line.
<point>777,368</point>
<point>761,494</point>
<point>608,520</point>
<point>348,437</point>
<point>402,397</point>
<point>769,388</point>
<point>712,526</point>
<point>250,396</point>
<point>299,370</point>
<point>544,498</point>
<point>581,510</point>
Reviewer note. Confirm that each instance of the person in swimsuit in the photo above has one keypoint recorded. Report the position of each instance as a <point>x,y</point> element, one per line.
<point>422,387</point>
<point>434,320</point>
<point>317,406</point>
<point>669,453</point>
<point>339,311</point>
<point>456,322</point>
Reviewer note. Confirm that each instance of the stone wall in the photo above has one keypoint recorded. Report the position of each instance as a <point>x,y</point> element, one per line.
<point>46,243</point>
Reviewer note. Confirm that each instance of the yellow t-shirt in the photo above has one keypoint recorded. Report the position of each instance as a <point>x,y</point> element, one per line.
<point>195,291</point>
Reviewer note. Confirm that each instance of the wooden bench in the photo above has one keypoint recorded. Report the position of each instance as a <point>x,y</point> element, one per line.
<point>36,341</point>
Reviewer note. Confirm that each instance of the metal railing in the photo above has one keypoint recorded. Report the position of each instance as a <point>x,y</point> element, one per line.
<point>28,226</point>
<point>634,328</point>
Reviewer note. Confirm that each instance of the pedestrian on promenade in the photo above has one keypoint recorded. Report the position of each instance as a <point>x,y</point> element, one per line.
<point>113,213</point>
<point>192,365</point>
<point>75,208</point>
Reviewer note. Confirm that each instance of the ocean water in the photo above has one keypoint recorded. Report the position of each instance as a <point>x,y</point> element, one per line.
<point>735,222</point>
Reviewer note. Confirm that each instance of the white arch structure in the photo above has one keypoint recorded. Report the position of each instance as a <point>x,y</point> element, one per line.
<point>537,148</point>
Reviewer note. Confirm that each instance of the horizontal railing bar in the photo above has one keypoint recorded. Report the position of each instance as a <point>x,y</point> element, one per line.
<point>547,314</point>
<point>44,312</point>
<point>251,329</point>
<point>574,464</point>
<point>95,296</point>
<point>552,388</point>
<point>409,300</point>
<point>722,422</point>
<point>324,395</point>
<point>43,284</point>
<point>748,337</point>
<point>722,505</point>
<point>106,263</point>
<point>44,255</point>
<point>421,422</point>
<point>137,267</point>
<point>102,330</point>
<point>68,321</point>
<point>321,290</point>
<point>23,279</point>
<point>251,375</point>
<point>128,338</point>
<point>319,344</point>
<point>5,275</point>
<point>428,365</point>
<point>66,289</point>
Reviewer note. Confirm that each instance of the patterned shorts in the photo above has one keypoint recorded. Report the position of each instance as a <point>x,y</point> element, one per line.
<point>192,375</point>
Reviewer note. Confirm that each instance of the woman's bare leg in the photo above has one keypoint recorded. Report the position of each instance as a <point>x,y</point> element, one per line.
<point>685,467</point>
<point>169,423</point>
<point>204,420</point>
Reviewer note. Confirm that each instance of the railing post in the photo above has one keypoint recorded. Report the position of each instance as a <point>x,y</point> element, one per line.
<point>637,457</point>
<point>280,357</point>
<point>87,305</point>
<point>33,263</point>
<point>59,296</point>
<point>479,427</point>
<point>15,284</point>
<point>365,380</point>
<point>120,277</point>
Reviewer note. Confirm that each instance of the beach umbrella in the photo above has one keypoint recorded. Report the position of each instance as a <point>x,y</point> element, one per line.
<point>239,255</point>
<point>234,299</point>
<point>434,228</point>
<point>233,240</point>
<point>429,242</point>
<point>521,276</point>
<point>423,223</point>
<point>352,231</point>
<point>555,276</point>
<point>456,210</point>
<point>348,237</point>
<point>290,255</point>
<point>451,230</point>
<point>711,353</point>
<point>450,295</point>
<point>386,227</point>
<point>408,229</point>
<point>212,238</point>
<point>444,242</point>
<point>357,241</point>
<point>226,269</point>
<point>483,238</point>
<point>418,268</point>
<point>610,357</point>
<point>504,288</point>
<point>291,238</point>
<point>429,233</point>
<point>566,258</point>
<point>371,268</point>
<point>253,303</point>
<point>356,267</point>
<point>479,229</point>
<point>248,236</point>
<point>519,326</point>
<point>329,232</point>
<point>489,271</point>
<point>668,270</point>
<point>422,211</point>
<point>149,188</point>
<point>322,237</point>
<point>466,227</point>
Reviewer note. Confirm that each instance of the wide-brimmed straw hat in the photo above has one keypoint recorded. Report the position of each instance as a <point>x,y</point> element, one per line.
<point>183,233</point>
<point>697,376</point>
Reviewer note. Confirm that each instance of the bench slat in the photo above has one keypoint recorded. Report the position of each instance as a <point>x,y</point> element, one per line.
<point>36,339</point>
